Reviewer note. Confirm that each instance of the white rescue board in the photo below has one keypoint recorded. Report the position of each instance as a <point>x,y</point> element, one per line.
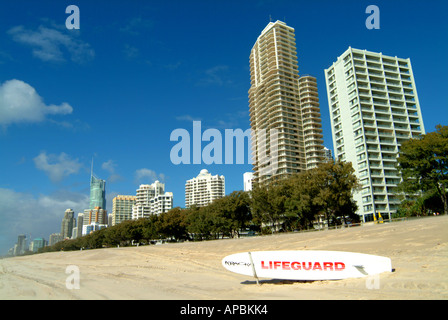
<point>306,264</point>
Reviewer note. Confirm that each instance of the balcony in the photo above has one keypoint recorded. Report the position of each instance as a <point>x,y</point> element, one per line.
<point>389,62</point>
<point>387,141</point>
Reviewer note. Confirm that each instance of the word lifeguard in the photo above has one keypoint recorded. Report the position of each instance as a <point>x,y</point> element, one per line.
<point>295,265</point>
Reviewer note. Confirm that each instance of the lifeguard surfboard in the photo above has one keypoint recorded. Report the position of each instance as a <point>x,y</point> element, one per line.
<point>306,264</point>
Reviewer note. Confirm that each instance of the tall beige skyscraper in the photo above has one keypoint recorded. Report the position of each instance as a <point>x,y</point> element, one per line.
<point>284,108</point>
<point>311,122</point>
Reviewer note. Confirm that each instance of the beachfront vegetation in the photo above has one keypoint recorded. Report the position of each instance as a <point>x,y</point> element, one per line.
<point>289,204</point>
<point>423,163</point>
<point>294,202</point>
<point>283,205</point>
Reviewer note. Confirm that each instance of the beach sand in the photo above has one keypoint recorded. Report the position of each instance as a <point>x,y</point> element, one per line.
<point>192,270</point>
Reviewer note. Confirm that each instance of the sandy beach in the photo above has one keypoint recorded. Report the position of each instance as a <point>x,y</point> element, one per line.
<point>192,270</point>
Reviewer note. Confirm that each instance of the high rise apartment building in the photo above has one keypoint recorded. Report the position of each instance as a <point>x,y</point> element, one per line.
<point>96,216</point>
<point>20,246</point>
<point>37,244</point>
<point>54,238</point>
<point>142,207</point>
<point>122,208</point>
<point>374,108</point>
<point>203,189</point>
<point>162,203</point>
<point>68,223</point>
<point>80,224</point>
<point>311,122</point>
<point>282,101</point>
<point>151,199</point>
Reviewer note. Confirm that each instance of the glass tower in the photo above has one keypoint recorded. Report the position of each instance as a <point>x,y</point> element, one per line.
<point>97,193</point>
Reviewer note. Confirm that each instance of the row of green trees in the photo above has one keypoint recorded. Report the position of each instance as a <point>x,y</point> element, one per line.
<point>294,202</point>
<point>286,204</point>
<point>291,203</point>
<point>423,164</point>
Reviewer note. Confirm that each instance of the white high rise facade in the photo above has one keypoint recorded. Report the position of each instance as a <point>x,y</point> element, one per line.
<point>203,189</point>
<point>374,108</point>
<point>151,199</point>
<point>247,181</point>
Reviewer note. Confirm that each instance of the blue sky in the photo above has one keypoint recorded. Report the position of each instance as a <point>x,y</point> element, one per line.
<point>115,89</point>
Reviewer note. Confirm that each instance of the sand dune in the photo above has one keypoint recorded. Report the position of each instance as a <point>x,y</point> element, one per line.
<point>418,249</point>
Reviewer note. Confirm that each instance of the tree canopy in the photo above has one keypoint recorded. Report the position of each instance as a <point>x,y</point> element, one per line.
<point>423,163</point>
<point>288,204</point>
<point>294,202</point>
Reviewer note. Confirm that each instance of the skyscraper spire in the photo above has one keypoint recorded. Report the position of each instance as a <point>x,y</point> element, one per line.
<point>91,170</point>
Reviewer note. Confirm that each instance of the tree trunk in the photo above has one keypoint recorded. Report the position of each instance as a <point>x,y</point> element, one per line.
<point>445,203</point>
<point>442,192</point>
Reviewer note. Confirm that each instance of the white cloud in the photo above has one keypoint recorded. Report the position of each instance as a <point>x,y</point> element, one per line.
<point>188,118</point>
<point>137,26</point>
<point>173,66</point>
<point>131,52</point>
<point>57,167</point>
<point>148,175</point>
<point>49,44</point>
<point>110,166</point>
<point>19,102</point>
<point>36,216</point>
<point>216,75</point>
<point>4,57</point>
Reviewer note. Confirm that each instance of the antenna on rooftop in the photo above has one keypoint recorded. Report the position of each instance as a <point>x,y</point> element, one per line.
<point>270,18</point>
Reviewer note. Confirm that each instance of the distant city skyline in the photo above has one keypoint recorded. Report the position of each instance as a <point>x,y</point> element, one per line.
<point>134,72</point>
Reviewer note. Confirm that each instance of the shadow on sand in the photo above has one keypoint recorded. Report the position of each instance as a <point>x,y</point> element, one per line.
<point>282,281</point>
<point>277,281</point>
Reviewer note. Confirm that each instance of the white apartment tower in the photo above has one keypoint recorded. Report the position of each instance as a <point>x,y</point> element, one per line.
<point>247,181</point>
<point>203,189</point>
<point>374,107</point>
<point>151,199</point>
<point>282,101</point>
